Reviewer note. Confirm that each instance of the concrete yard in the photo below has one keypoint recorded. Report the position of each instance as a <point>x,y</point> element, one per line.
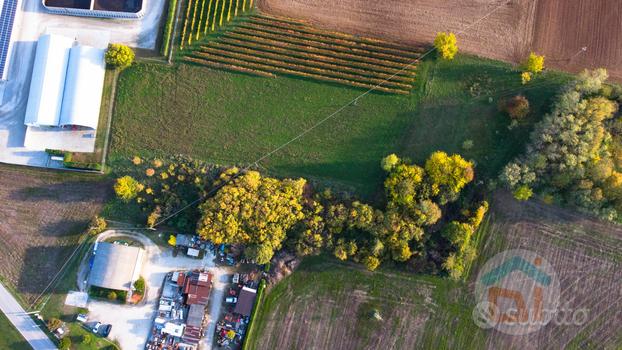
<point>131,324</point>
<point>31,20</point>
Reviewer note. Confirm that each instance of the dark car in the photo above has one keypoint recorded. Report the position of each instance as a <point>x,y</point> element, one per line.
<point>105,330</point>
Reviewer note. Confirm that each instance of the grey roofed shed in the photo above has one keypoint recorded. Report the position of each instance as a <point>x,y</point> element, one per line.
<point>116,266</point>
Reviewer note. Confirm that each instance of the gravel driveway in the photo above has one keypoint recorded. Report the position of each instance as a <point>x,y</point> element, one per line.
<point>131,324</point>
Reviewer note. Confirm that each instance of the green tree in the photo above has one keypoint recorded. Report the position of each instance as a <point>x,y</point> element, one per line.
<point>112,295</point>
<point>64,344</point>
<point>127,188</point>
<point>139,285</point>
<point>259,253</point>
<point>87,339</point>
<point>253,210</point>
<point>98,225</point>
<point>120,56</point>
<point>389,162</point>
<point>534,63</point>
<point>53,324</point>
<point>446,45</point>
<point>522,193</point>
<point>371,262</point>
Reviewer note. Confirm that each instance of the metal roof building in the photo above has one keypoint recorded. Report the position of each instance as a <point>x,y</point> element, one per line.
<point>67,84</point>
<point>84,86</point>
<point>48,81</point>
<point>116,266</point>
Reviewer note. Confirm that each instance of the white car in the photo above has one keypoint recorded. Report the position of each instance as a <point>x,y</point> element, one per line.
<point>231,300</point>
<point>81,318</point>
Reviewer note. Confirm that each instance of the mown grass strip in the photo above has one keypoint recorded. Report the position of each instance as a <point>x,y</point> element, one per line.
<point>231,67</point>
<point>309,61</point>
<point>405,75</point>
<point>302,32</point>
<point>304,48</point>
<point>304,68</point>
<point>314,76</point>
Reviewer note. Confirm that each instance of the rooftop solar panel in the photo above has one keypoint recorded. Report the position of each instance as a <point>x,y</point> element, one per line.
<point>7,16</point>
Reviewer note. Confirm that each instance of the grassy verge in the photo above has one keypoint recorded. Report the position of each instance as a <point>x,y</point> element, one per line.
<point>93,160</point>
<point>11,339</point>
<point>234,118</point>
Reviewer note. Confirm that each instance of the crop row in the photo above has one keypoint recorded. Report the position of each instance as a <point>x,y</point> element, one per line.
<point>302,68</point>
<point>406,75</point>
<point>302,32</point>
<point>266,68</point>
<point>203,15</point>
<point>232,67</point>
<point>312,62</point>
<point>349,55</point>
<point>303,27</point>
<point>243,28</point>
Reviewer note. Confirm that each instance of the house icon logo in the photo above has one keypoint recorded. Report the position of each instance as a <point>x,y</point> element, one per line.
<point>517,293</point>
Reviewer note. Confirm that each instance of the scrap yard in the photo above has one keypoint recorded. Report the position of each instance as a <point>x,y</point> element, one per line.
<point>180,318</point>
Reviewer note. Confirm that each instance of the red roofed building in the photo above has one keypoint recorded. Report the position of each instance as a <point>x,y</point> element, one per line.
<point>197,287</point>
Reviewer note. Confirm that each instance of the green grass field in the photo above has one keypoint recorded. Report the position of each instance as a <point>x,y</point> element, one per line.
<point>328,304</point>
<point>230,118</point>
<point>10,338</point>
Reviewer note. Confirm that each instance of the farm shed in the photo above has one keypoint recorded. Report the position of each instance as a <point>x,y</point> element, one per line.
<point>245,301</point>
<point>48,81</point>
<point>116,266</point>
<point>67,84</point>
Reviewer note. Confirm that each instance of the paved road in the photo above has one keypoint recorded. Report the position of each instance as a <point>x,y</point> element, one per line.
<point>24,324</point>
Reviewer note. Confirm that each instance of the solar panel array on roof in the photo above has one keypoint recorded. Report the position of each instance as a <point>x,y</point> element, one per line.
<point>7,16</point>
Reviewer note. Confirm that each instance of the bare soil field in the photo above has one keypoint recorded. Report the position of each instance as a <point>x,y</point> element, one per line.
<point>42,215</point>
<point>505,34</point>
<point>563,27</point>
<point>587,257</point>
<point>504,30</point>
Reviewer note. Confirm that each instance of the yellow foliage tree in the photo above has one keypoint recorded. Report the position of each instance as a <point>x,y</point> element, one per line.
<point>534,63</point>
<point>127,188</point>
<point>453,171</point>
<point>446,45</point>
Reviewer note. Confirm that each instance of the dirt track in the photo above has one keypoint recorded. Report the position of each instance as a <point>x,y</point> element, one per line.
<point>556,28</point>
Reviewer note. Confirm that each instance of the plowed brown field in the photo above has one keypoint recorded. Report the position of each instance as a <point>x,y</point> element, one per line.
<point>505,30</point>
<point>586,255</point>
<point>42,215</point>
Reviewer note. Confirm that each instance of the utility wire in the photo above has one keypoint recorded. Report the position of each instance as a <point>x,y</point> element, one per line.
<point>323,120</point>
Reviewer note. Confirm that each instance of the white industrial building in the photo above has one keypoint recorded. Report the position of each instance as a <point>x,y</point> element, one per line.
<point>67,84</point>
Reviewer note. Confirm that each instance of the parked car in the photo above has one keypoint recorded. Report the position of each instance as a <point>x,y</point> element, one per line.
<point>236,278</point>
<point>82,318</point>
<point>105,330</point>
<point>231,300</point>
<point>95,328</point>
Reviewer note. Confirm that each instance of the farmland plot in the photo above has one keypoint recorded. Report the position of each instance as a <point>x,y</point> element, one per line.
<point>505,30</point>
<point>329,305</point>
<point>42,215</point>
<point>268,46</point>
<point>587,257</point>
